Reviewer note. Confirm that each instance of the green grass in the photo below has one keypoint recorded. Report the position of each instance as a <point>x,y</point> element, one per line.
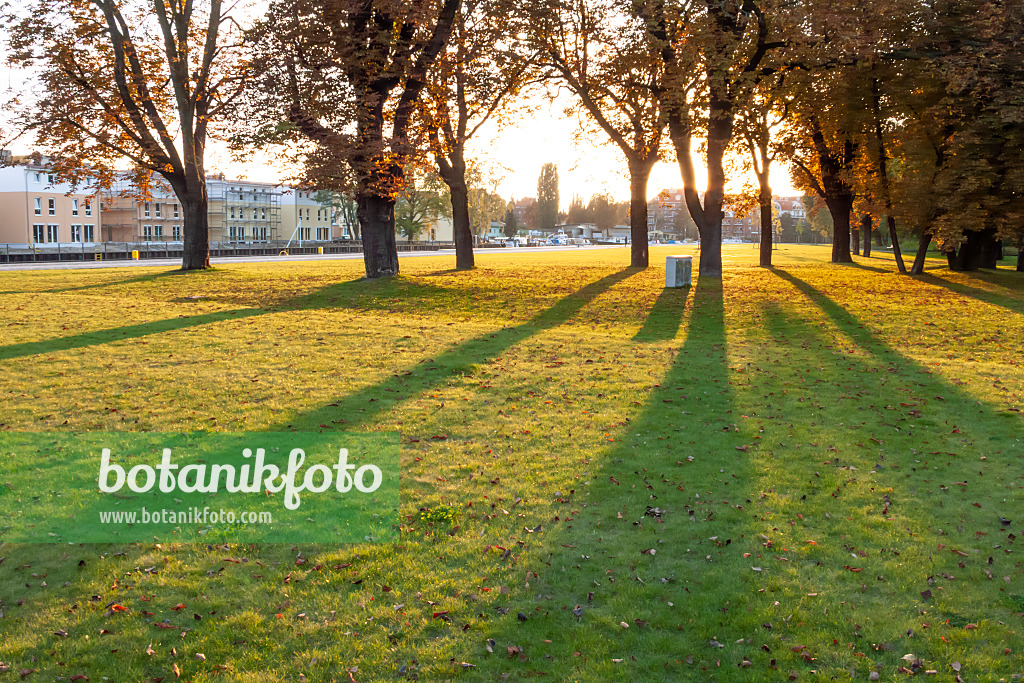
<point>791,426</point>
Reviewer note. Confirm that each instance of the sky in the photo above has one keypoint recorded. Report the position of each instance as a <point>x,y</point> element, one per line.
<point>514,155</point>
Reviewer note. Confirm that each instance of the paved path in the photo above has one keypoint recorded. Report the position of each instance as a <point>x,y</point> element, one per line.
<point>171,262</point>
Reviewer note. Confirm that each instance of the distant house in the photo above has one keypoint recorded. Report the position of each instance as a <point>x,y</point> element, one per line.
<point>303,217</point>
<point>36,208</point>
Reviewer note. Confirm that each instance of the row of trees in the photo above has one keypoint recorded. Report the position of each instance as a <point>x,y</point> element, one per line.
<point>917,120</point>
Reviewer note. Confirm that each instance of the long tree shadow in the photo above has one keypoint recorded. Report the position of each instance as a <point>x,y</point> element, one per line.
<point>148,277</point>
<point>665,316</point>
<point>655,498</point>
<point>106,336</point>
<point>358,294</point>
<point>1008,301</point>
<point>863,266</point>
<point>362,406</point>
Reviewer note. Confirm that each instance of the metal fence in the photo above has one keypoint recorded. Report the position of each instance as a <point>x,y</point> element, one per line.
<point>126,251</point>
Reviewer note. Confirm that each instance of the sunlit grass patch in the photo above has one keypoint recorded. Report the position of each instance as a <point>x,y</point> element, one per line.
<point>787,468</point>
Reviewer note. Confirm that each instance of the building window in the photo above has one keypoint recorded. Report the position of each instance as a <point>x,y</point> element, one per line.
<point>157,207</point>
<point>38,235</point>
<point>51,203</point>
<point>304,233</point>
<point>323,234</point>
<point>232,212</point>
<point>89,233</point>
<point>176,232</point>
<point>175,210</point>
<point>39,206</point>
<point>88,207</point>
<point>254,214</point>
<point>263,214</point>
<point>38,177</point>
<point>145,210</point>
<point>158,231</point>
<point>307,214</point>
<point>232,233</point>
<point>260,234</point>
<point>241,232</point>
<point>76,233</point>
<point>49,178</point>
<point>74,207</point>
<point>51,233</point>
<point>147,232</point>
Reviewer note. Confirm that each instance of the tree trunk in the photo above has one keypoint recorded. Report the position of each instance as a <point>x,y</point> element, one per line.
<point>453,173</point>
<point>855,240</point>
<point>462,232</point>
<point>377,224</point>
<point>922,253</point>
<point>195,229</point>
<point>719,134</point>
<point>707,218</point>
<point>766,225</point>
<point>979,250</point>
<point>1020,258</point>
<point>639,172</point>
<point>865,228</point>
<point>835,190</point>
<point>839,208</point>
<point>895,239</point>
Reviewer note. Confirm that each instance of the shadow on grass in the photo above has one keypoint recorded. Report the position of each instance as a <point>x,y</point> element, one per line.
<point>864,266</point>
<point>665,316</point>
<point>688,413</point>
<point>363,405</point>
<point>86,339</point>
<point>1008,301</point>
<point>150,277</point>
<point>385,294</point>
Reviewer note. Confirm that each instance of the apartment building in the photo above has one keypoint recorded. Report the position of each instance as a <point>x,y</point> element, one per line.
<point>238,211</point>
<point>244,211</point>
<point>126,219</point>
<point>37,209</point>
<point>305,219</point>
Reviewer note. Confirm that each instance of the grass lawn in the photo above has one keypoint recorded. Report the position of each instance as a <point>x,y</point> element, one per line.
<point>829,450</point>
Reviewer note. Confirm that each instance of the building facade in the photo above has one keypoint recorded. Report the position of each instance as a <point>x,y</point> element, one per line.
<point>36,209</point>
<point>303,218</point>
<point>126,219</point>
<point>244,211</point>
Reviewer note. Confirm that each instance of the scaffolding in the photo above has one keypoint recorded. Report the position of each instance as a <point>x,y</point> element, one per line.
<point>242,211</point>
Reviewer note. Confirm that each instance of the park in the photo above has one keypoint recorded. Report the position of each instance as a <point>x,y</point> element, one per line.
<point>476,340</point>
<point>808,472</point>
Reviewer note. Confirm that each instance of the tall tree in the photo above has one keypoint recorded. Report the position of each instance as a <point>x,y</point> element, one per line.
<point>344,78</point>
<point>547,196</point>
<point>577,212</point>
<point>599,50</point>
<point>826,169</point>
<point>342,206</point>
<point>511,224</point>
<point>980,183</point>
<point>604,212</point>
<point>419,204</point>
<point>471,84</point>
<point>725,43</point>
<point>757,122</point>
<point>126,80</point>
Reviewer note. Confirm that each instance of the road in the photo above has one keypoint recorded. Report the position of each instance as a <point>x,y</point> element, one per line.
<point>165,262</point>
